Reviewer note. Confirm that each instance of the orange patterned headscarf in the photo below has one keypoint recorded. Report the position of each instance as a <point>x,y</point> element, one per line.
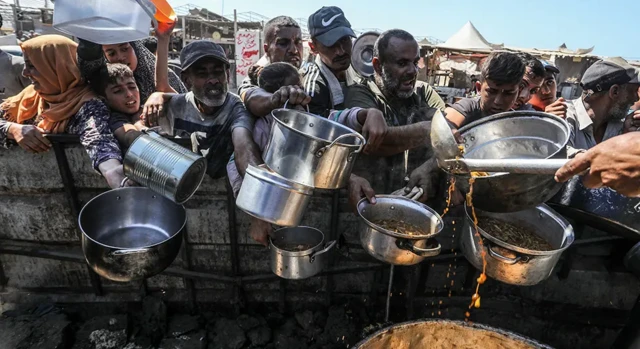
<point>61,91</point>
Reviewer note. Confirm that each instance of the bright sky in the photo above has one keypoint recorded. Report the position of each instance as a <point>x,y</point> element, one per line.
<point>609,25</point>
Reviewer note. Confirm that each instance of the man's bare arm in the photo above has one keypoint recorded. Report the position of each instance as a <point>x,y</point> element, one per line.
<point>246,150</point>
<point>401,138</point>
<point>260,102</point>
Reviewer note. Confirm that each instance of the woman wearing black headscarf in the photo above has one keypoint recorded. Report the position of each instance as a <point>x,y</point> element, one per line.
<point>92,57</point>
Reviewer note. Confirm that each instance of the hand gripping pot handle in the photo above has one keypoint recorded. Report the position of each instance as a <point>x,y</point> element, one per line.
<point>131,251</point>
<point>326,249</point>
<point>320,152</point>
<point>422,252</point>
<point>287,102</point>
<point>501,258</point>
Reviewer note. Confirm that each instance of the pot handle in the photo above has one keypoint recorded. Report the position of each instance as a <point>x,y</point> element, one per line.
<point>131,251</point>
<point>287,102</point>
<point>324,149</point>
<point>422,252</point>
<point>501,258</point>
<point>326,249</point>
<point>124,181</point>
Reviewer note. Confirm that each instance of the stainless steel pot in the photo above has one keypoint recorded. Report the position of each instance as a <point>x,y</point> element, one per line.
<point>164,167</point>
<point>298,253</point>
<point>514,135</point>
<point>272,198</point>
<point>445,334</point>
<point>312,150</point>
<point>512,264</point>
<point>396,248</point>
<point>131,233</point>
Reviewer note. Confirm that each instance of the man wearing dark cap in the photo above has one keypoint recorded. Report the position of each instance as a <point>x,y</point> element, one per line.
<point>610,89</point>
<point>214,119</point>
<point>326,78</point>
<point>545,98</point>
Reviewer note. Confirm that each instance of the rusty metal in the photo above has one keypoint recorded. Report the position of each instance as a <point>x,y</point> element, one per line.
<point>72,198</point>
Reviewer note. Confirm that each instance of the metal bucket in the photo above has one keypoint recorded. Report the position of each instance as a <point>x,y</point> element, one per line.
<point>164,167</point>
<point>312,150</point>
<point>514,135</point>
<point>445,334</point>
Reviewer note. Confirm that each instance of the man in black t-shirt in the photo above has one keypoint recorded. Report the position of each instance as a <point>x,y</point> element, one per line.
<point>499,85</point>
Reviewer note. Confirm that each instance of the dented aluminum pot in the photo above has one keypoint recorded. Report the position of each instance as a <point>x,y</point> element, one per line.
<point>298,252</point>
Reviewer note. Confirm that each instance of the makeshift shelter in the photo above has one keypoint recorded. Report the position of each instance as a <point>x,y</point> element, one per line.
<point>468,39</point>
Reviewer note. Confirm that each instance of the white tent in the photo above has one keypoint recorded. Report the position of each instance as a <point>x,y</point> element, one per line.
<point>468,38</point>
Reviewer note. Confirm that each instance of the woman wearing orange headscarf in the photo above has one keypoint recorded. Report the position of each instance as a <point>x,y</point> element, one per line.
<point>59,101</point>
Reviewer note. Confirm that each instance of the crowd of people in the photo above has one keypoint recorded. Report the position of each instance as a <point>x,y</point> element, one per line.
<point>107,94</point>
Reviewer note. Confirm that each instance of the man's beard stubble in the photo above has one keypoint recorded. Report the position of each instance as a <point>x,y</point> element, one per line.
<point>390,85</point>
<point>210,101</point>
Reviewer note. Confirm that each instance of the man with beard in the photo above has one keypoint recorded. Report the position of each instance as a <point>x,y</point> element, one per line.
<point>214,119</point>
<point>408,106</point>
<point>282,43</point>
<point>531,81</point>
<point>328,76</point>
<point>610,89</point>
<point>498,87</point>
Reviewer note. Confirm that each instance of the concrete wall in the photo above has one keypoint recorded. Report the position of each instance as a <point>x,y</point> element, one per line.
<point>34,212</point>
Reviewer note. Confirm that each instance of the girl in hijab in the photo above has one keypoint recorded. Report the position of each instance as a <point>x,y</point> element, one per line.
<point>93,57</point>
<point>59,101</point>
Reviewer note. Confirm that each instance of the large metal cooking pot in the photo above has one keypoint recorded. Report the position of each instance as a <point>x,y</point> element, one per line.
<point>445,334</point>
<point>514,135</point>
<point>298,253</point>
<point>512,264</point>
<point>131,233</point>
<point>272,198</point>
<point>312,150</point>
<point>396,248</point>
<point>164,167</point>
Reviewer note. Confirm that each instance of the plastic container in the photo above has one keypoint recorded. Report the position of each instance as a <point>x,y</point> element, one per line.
<point>110,21</point>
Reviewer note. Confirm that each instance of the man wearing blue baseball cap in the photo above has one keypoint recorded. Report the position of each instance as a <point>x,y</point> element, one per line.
<point>326,79</point>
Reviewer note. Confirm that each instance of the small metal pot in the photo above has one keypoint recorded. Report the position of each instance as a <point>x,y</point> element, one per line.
<point>131,233</point>
<point>272,198</point>
<point>289,264</point>
<point>312,150</point>
<point>395,248</point>
<point>512,264</point>
<point>164,167</point>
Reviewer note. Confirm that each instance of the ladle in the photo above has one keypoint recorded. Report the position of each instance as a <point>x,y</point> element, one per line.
<point>449,155</point>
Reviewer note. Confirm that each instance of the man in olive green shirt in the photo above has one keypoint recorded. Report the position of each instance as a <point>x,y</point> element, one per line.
<point>408,106</point>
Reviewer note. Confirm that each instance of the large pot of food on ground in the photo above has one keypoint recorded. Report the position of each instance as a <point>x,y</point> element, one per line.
<point>519,248</point>
<point>398,231</point>
<point>513,135</point>
<point>131,233</point>
<point>444,334</point>
<point>312,150</point>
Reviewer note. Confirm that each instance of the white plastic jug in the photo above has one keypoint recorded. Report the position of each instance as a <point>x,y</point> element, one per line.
<point>104,21</point>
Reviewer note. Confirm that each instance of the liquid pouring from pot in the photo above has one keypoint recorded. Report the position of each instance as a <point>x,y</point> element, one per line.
<point>449,155</point>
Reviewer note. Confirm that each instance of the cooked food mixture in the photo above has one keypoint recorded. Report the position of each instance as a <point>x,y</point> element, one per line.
<point>294,247</point>
<point>443,336</point>
<point>514,235</point>
<point>479,174</point>
<point>400,227</point>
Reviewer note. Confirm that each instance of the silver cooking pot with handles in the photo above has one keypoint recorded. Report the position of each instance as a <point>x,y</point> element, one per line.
<point>164,167</point>
<point>397,248</point>
<point>312,150</point>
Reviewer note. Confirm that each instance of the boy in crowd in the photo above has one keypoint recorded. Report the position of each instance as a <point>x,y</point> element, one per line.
<point>498,86</point>
<point>545,99</point>
<point>531,81</point>
<point>117,86</point>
